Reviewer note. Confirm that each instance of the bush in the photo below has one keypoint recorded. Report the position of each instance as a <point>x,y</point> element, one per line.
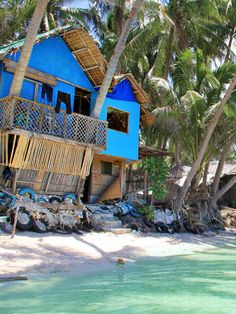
<point>148,212</point>
<point>158,171</point>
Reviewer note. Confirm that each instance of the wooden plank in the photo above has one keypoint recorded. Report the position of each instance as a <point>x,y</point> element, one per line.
<point>15,180</point>
<point>54,138</point>
<point>59,206</point>
<point>31,73</point>
<point>48,182</point>
<point>39,179</point>
<point>91,68</point>
<point>79,50</point>
<point>12,278</point>
<point>122,179</point>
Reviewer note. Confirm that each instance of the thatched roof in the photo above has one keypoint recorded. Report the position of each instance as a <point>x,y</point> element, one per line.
<point>146,151</point>
<point>141,96</point>
<point>229,169</point>
<point>86,52</point>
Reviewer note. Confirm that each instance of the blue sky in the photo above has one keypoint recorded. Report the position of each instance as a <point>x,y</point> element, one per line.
<point>80,4</point>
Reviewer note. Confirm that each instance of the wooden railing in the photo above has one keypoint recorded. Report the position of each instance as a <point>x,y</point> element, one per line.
<point>28,115</point>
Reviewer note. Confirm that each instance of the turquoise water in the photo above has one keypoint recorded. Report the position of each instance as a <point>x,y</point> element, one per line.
<point>200,283</point>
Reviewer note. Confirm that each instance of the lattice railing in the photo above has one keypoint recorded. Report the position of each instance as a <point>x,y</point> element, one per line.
<point>24,114</point>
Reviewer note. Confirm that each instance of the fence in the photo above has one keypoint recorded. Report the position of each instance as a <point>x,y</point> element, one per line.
<point>28,115</point>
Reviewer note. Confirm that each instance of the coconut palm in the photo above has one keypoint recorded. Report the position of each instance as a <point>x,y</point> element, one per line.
<point>27,48</point>
<point>227,139</point>
<point>14,18</point>
<point>115,58</point>
<point>196,164</point>
<point>185,110</point>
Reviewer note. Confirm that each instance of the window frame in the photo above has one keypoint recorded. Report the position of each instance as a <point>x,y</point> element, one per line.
<point>128,122</point>
<point>102,162</point>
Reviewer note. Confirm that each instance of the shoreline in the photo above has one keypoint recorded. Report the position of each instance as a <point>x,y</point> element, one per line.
<point>33,254</point>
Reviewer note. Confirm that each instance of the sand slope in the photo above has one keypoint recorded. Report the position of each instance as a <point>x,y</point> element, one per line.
<point>31,253</point>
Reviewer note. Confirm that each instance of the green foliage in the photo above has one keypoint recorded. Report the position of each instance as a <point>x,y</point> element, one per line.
<point>158,171</point>
<point>148,212</point>
<point>231,157</point>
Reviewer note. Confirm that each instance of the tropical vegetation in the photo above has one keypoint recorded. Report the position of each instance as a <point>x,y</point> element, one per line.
<point>182,53</point>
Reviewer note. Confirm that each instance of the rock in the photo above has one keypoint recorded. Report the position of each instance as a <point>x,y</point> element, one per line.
<point>120,262</point>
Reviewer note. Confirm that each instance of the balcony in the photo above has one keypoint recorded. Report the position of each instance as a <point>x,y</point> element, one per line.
<point>18,113</point>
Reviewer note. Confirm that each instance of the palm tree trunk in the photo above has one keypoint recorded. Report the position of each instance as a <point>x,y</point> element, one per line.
<point>216,181</point>
<point>225,188</point>
<point>115,58</point>
<point>27,48</point>
<point>204,180</point>
<point>177,153</point>
<point>195,182</point>
<point>231,37</point>
<point>119,18</point>
<point>195,166</point>
<point>182,40</point>
<point>168,53</point>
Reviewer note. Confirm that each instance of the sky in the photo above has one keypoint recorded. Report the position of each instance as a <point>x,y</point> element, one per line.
<point>84,4</point>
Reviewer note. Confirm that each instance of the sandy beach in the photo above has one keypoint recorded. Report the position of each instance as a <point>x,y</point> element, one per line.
<point>32,253</point>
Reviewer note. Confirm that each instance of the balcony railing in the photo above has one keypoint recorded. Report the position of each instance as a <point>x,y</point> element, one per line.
<point>28,115</point>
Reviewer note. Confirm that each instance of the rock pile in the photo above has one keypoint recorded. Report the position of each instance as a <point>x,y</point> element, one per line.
<point>228,215</point>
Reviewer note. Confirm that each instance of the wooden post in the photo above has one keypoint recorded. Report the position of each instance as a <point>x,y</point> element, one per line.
<point>48,182</point>
<point>39,180</point>
<point>15,221</point>
<point>122,179</point>
<point>12,109</point>
<point>77,190</point>
<point>40,119</point>
<point>17,173</point>
<point>145,184</point>
<point>65,125</point>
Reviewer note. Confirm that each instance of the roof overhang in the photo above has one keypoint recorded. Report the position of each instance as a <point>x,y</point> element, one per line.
<point>142,98</point>
<point>147,151</point>
<point>88,55</point>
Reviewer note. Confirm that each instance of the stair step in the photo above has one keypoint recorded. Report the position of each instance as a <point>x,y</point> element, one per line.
<point>111,224</point>
<point>117,230</point>
<point>102,217</point>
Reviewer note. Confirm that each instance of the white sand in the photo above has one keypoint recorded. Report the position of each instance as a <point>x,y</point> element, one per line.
<point>31,253</point>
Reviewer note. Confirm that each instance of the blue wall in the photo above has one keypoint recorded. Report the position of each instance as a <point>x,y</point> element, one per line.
<point>121,144</point>
<point>51,56</point>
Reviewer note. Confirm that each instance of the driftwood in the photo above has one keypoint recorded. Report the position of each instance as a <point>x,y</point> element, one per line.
<point>13,278</point>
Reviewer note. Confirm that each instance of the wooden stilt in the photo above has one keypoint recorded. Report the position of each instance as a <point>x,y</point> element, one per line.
<point>39,179</point>
<point>122,179</point>
<point>48,182</point>
<point>14,224</point>
<point>15,180</point>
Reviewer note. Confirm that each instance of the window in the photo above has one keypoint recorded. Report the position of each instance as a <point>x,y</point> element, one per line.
<point>106,168</point>
<point>117,119</point>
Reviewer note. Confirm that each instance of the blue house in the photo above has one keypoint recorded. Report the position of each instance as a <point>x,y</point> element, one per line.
<point>49,140</point>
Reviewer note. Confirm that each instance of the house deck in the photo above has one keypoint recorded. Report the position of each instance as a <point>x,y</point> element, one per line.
<point>18,113</point>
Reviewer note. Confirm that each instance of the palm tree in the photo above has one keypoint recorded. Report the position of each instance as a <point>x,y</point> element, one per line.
<point>228,137</point>
<point>27,48</point>
<point>196,164</point>
<point>115,58</point>
<point>14,18</point>
<point>183,114</point>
